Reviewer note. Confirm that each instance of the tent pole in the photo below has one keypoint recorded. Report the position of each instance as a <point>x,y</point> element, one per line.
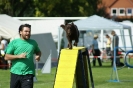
<point>102,39</point>
<point>59,43</point>
<point>123,38</point>
<point>130,35</point>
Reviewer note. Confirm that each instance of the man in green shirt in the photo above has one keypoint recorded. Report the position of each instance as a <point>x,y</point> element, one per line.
<point>21,53</point>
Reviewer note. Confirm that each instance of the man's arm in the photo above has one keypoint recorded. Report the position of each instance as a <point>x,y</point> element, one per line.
<point>12,57</point>
<point>38,55</point>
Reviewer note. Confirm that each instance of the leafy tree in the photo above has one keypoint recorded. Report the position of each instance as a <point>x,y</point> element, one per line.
<point>49,8</point>
<point>17,8</point>
<point>5,7</point>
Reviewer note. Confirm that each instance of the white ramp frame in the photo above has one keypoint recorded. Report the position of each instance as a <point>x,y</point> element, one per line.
<point>47,65</point>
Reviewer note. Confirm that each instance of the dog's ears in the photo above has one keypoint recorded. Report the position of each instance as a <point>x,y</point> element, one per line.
<point>66,23</point>
<point>72,23</point>
<point>63,26</point>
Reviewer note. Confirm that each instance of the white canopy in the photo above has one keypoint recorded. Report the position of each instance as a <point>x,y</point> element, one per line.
<point>99,23</point>
<point>9,26</point>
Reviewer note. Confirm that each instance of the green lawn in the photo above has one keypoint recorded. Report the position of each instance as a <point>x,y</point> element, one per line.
<point>101,77</point>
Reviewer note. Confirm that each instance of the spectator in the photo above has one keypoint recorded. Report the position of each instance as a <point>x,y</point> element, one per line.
<point>108,45</point>
<point>115,43</point>
<point>96,52</point>
<point>3,45</point>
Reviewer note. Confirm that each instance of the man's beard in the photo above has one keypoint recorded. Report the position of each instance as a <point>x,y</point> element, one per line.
<point>26,37</point>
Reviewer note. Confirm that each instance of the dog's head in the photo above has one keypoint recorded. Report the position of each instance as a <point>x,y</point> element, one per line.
<point>69,28</point>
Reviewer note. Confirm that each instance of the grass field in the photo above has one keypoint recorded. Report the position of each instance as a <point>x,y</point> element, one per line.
<point>101,77</point>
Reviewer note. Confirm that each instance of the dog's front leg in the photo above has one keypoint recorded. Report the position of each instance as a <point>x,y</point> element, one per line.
<point>69,43</point>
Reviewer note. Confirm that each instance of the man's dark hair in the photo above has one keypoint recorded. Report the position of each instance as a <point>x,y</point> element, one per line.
<point>24,25</point>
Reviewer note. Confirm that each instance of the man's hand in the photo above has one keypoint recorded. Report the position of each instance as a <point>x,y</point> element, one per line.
<point>23,55</point>
<point>37,58</point>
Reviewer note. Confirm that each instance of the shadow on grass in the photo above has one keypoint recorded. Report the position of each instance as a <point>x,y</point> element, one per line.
<point>39,82</point>
<point>107,66</point>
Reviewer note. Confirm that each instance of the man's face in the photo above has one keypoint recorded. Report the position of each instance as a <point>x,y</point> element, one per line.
<point>112,33</point>
<point>25,33</point>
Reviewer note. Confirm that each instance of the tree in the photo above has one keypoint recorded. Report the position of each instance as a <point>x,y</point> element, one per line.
<point>48,8</point>
<point>63,8</point>
<point>17,8</point>
<point>5,7</point>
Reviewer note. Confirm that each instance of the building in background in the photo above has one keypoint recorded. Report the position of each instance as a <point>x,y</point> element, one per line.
<point>118,9</point>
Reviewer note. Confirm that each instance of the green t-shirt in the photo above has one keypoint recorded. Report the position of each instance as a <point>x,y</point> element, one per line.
<point>25,65</point>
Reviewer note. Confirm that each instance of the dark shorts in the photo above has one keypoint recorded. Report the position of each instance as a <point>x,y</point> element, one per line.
<point>97,52</point>
<point>21,81</point>
<point>108,51</point>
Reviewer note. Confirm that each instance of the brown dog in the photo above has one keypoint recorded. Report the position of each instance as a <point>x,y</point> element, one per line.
<point>72,33</point>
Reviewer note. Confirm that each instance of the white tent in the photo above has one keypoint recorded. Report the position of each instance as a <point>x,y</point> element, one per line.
<point>9,26</point>
<point>99,23</point>
<point>129,23</point>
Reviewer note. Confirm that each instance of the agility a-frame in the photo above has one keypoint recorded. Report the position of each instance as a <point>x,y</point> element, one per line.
<point>73,67</point>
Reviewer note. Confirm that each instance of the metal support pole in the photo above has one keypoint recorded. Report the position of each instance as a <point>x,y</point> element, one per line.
<point>83,70</point>
<point>89,64</point>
